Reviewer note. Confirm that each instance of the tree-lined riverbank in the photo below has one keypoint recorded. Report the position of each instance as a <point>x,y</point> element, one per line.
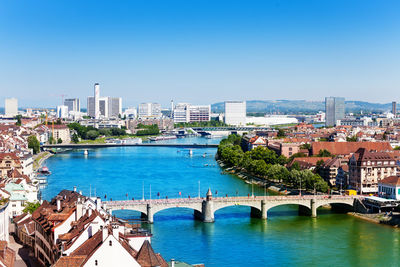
<point>266,165</point>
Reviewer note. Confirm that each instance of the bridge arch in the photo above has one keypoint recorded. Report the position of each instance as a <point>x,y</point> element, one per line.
<point>219,206</point>
<point>158,209</point>
<point>349,204</point>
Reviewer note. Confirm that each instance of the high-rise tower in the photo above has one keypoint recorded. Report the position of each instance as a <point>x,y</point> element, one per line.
<point>96,100</point>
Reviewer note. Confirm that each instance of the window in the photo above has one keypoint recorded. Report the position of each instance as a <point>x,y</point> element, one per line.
<point>110,243</point>
<point>95,262</point>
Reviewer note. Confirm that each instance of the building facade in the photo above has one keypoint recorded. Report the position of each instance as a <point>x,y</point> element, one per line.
<point>368,168</point>
<point>185,113</point>
<point>11,107</point>
<point>73,104</point>
<point>149,110</point>
<point>390,187</point>
<point>235,113</point>
<point>334,110</point>
<point>62,112</point>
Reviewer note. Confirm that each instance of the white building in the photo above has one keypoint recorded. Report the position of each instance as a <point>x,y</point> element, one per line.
<point>130,113</point>
<point>235,113</point>
<point>184,112</point>
<point>103,106</point>
<point>11,107</point>
<point>96,100</point>
<point>4,221</point>
<point>149,110</point>
<point>73,104</point>
<point>62,112</point>
<point>389,187</point>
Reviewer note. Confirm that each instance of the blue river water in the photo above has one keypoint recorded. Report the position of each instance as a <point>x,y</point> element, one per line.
<point>234,239</point>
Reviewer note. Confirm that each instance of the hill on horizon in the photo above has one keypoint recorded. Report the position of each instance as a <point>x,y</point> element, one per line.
<point>303,106</point>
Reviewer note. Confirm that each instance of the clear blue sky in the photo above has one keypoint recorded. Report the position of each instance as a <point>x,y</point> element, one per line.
<point>199,51</point>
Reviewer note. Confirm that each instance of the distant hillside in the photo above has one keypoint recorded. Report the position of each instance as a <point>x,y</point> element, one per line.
<point>303,106</point>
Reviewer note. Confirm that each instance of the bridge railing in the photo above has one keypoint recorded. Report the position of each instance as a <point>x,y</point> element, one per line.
<point>227,199</point>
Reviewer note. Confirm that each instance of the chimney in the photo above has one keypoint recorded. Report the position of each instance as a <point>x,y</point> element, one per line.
<point>80,192</point>
<point>98,203</point>
<point>172,263</point>
<point>116,232</point>
<point>58,205</point>
<point>105,233</point>
<point>90,212</point>
<point>79,210</point>
<point>74,188</point>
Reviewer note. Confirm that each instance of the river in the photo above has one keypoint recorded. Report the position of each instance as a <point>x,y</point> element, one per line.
<point>234,239</point>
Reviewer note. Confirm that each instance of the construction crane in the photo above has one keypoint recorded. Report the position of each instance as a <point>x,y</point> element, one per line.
<point>62,97</point>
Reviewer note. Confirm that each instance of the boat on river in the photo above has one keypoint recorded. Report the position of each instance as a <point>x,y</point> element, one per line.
<point>44,171</point>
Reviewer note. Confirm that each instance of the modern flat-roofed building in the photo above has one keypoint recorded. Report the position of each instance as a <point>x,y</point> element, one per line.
<point>394,108</point>
<point>184,112</point>
<point>62,112</point>
<point>11,107</point>
<point>90,106</point>
<point>149,110</point>
<point>334,110</point>
<point>73,104</point>
<point>114,106</point>
<point>235,113</point>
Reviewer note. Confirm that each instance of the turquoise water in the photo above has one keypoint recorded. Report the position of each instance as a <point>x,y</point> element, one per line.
<point>234,239</point>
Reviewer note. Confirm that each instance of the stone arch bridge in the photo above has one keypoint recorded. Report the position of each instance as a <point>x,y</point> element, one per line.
<point>204,208</point>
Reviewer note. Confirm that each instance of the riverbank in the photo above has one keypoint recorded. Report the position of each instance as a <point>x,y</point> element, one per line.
<point>40,158</point>
<point>250,179</point>
<point>379,218</point>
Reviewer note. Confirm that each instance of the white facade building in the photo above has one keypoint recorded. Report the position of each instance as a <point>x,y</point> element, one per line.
<point>11,107</point>
<point>90,106</point>
<point>4,222</point>
<point>149,110</point>
<point>235,113</point>
<point>62,112</point>
<point>96,100</point>
<point>184,112</point>
<point>103,106</point>
<point>130,113</point>
<point>389,187</point>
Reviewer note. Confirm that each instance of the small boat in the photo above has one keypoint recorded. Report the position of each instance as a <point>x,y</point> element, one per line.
<point>190,152</point>
<point>44,170</point>
<point>85,152</point>
<point>204,155</point>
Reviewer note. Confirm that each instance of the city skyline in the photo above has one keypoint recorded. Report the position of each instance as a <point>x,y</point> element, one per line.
<point>200,52</point>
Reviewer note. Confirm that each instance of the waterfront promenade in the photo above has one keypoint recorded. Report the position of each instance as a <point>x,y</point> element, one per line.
<point>204,208</point>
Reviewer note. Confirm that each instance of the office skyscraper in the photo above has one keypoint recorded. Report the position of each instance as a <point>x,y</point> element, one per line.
<point>235,113</point>
<point>96,100</point>
<point>334,110</point>
<point>394,108</point>
<point>73,104</point>
<point>11,107</point>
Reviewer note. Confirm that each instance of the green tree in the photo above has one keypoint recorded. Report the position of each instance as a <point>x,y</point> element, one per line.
<point>30,207</point>
<point>34,144</point>
<point>92,134</point>
<point>259,167</point>
<point>59,141</point>
<point>278,173</point>
<point>351,139</point>
<point>75,138</point>
<point>18,117</point>
<point>306,146</point>
<point>281,133</point>
<point>324,153</point>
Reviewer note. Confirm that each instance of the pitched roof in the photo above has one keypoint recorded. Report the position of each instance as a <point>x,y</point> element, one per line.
<point>391,180</point>
<point>89,245</point>
<point>345,148</point>
<point>146,256</point>
<point>70,261</point>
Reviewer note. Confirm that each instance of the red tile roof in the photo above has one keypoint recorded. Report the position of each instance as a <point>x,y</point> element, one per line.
<point>345,148</point>
<point>391,180</point>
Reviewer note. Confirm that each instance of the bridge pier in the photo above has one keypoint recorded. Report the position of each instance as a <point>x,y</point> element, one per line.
<point>256,213</point>
<point>208,211</point>
<point>149,214</point>
<point>313,208</point>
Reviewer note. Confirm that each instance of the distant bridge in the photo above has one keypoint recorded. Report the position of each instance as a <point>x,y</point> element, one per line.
<point>80,146</point>
<point>234,128</point>
<point>204,208</point>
